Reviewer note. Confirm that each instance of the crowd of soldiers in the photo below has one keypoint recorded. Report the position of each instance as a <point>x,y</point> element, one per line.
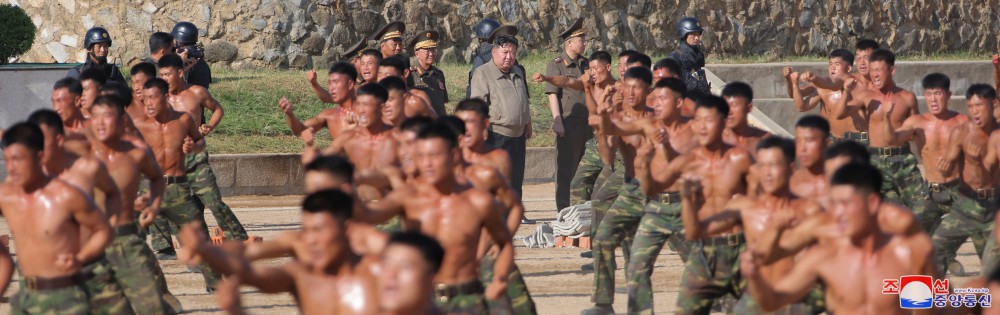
<point>410,210</point>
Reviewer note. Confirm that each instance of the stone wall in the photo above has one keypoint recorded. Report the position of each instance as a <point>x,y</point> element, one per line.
<point>306,33</point>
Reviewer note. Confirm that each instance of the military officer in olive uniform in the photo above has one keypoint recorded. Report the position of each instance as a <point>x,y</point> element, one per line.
<point>425,76</point>
<point>390,38</point>
<point>569,112</point>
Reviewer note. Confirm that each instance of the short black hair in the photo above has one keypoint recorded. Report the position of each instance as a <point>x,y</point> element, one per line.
<point>983,91</point>
<point>333,201</point>
<point>393,84</point>
<point>864,177</point>
<point>147,68</point>
<point>643,74</point>
<point>171,61</point>
<point>26,134</point>
<point>456,124</point>
<point>344,68</point>
<point>157,83</point>
<point>713,102</point>
<point>844,54</point>
<point>738,89</point>
<point>866,44</point>
<point>429,248</point>
<point>71,84</point>
<point>415,123</point>
<point>854,151</point>
<point>672,65</point>
<point>439,130</point>
<point>628,53</point>
<point>883,55</point>
<point>113,101</point>
<point>399,62</point>
<point>119,89</point>
<point>502,40</point>
<point>372,52</point>
<point>674,84</point>
<point>936,80</point>
<point>814,122</point>
<point>160,40</point>
<point>786,146</point>
<point>601,56</point>
<point>476,105</point>
<point>374,89</point>
<point>333,165</point>
<point>641,59</point>
<point>48,118</point>
<point>93,74</point>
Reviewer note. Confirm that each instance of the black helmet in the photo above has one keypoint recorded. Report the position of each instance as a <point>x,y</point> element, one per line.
<point>96,35</point>
<point>185,33</point>
<point>485,27</point>
<point>687,26</point>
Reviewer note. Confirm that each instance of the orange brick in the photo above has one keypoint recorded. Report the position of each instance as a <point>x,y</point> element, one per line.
<point>559,241</point>
<point>217,240</point>
<point>584,242</point>
<point>215,231</point>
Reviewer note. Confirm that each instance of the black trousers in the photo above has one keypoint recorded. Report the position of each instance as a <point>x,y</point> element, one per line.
<point>569,150</point>
<point>515,147</point>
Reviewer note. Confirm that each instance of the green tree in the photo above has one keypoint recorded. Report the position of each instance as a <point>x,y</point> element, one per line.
<point>16,32</point>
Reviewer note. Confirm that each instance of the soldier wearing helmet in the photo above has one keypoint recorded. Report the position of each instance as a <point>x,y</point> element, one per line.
<point>97,41</point>
<point>186,45</point>
<point>690,55</point>
<point>483,52</point>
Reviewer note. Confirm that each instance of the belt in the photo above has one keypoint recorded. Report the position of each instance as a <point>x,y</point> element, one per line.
<point>447,291</point>
<point>126,229</point>
<point>39,283</point>
<point>667,198</point>
<point>724,240</point>
<point>981,194</point>
<point>890,151</point>
<point>175,179</point>
<point>939,187</point>
<point>848,135</point>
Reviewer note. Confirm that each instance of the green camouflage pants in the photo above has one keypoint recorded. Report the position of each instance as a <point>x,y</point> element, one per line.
<point>206,195</point>
<point>517,300</point>
<point>65,301</point>
<point>901,181</point>
<point>972,218</point>
<point>660,224</point>
<point>468,303</point>
<point>135,267</point>
<point>106,297</point>
<point>712,271</point>
<point>583,185</point>
<point>393,225</point>
<point>942,198</point>
<point>178,207</point>
<point>747,305</point>
<point>619,222</point>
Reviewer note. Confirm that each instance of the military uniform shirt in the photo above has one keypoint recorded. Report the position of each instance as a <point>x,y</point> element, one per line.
<point>571,102</point>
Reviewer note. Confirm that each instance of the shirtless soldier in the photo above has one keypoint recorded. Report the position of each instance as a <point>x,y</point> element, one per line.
<point>903,184</point>
<point>812,136</point>
<point>721,169</point>
<point>65,101</point>
<point>738,131</point>
<point>171,134</point>
<point>861,245</point>
<point>828,92</point>
<point>46,215</point>
<point>454,214</point>
<point>401,104</point>
<point>133,263</point>
<point>341,89</point>
<point>194,100</point>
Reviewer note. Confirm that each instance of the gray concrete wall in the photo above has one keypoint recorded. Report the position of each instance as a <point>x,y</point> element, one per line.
<point>27,87</point>
<point>767,81</point>
<point>281,174</point>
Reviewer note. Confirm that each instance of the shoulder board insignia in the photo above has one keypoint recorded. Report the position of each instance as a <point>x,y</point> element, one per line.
<point>557,60</point>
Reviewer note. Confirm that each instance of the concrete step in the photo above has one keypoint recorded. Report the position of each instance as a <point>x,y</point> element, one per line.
<point>782,110</point>
<point>767,81</point>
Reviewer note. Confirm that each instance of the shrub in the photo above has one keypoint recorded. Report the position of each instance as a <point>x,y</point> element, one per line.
<point>16,32</point>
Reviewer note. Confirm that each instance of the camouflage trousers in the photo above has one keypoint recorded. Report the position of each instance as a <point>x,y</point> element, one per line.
<point>178,207</point>
<point>471,302</point>
<point>517,300</point>
<point>808,306</point>
<point>972,218</point>
<point>206,195</point>
<point>582,187</point>
<point>66,301</point>
<point>660,224</point>
<point>942,198</point>
<point>712,272</point>
<point>619,222</point>
<point>106,296</point>
<point>901,180</point>
<point>135,269</point>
